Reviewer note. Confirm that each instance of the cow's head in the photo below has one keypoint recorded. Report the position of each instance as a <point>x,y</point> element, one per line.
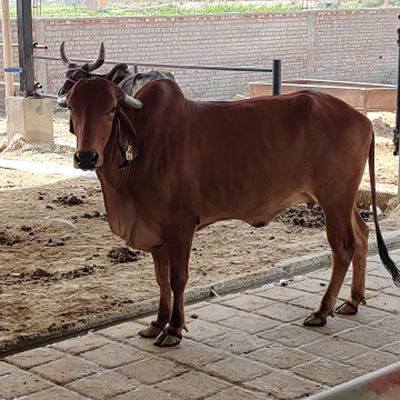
<point>76,72</point>
<point>99,119</point>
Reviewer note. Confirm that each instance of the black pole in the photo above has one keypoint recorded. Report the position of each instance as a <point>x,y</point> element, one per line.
<point>276,77</point>
<point>25,45</point>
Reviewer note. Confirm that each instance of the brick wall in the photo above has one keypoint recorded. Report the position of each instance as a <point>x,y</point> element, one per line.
<point>357,45</point>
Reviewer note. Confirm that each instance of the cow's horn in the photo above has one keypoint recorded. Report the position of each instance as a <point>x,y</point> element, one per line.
<point>64,57</point>
<point>131,102</point>
<point>100,59</point>
<point>62,101</point>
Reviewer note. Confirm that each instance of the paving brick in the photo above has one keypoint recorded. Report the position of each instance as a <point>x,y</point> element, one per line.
<point>281,293</point>
<point>145,393</point>
<point>56,393</point>
<point>309,300</point>
<point>194,354</point>
<point>373,360</point>
<point>385,302</point>
<point>378,283</point>
<point>32,358</point>
<point>237,342</point>
<point>389,324</point>
<point>189,308</point>
<point>369,336</point>
<point>145,344</point>
<point>103,385</point>
<point>285,386</point>
<point>21,384</point>
<point>7,369</point>
<point>322,274</point>
<point>310,285</point>
<point>193,386</point>
<point>66,369</point>
<point>202,330</point>
<point>335,349</point>
<point>365,315</point>
<point>225,297</point>
<point>333,326</point>
<point>283,312</point>
<point>327,371</point>
<point>81,343</point>
<point>279,356</point>
<point>238,394</point>
<point>215,312</point>
<point>122,331</point>
<point>291,335</point>
<point>391,290</point>
<point>393,348</point>
<point>247,302</point>
<point>237,369</point>
<point>113,355</point>
<point>152,370</point>
<point>345,293</point>
<point>249,323</point>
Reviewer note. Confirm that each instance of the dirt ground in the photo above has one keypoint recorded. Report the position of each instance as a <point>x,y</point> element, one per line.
<point>61,264</point>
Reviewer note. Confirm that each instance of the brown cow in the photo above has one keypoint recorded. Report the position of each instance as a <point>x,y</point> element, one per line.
<point>189,164</point>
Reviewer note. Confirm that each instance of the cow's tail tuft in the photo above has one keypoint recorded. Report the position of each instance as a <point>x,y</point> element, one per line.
<point>382,249</point>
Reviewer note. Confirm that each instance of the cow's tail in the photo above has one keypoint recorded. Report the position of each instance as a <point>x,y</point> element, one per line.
<point>382,249</point>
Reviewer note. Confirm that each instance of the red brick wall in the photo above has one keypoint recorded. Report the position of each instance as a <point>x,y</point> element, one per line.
<point>357,45</point>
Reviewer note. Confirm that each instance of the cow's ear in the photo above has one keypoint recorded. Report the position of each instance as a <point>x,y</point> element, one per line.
<point>71,126</point>
<point>127,138</point>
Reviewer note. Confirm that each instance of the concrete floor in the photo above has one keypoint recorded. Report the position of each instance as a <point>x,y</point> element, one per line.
<point>248,345</point>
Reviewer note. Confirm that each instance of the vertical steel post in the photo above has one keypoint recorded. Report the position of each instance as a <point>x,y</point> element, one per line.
<point>276,77</point>
<point>25,44</point>
<point>396,130</point>
<point>7,53</point>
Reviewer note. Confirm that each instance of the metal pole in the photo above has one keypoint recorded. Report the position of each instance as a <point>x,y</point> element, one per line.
<point>25,42</point>
<point>276,77</point>
<point>396,130</point>
<point>7,55</point>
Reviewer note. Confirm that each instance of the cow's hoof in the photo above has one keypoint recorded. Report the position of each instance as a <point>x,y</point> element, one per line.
<point>347,308</point>
<point>315,319</point>
<point>150,332</point>
<point>168,338</point>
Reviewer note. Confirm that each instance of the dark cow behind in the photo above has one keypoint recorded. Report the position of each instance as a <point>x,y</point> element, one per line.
<point>129,82</point>
<point>188,164</point>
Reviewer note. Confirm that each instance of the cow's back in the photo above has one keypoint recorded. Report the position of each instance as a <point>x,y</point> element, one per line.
<point>263,153</point>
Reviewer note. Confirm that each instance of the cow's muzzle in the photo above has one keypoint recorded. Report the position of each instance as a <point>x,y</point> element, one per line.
<point>86,160</point>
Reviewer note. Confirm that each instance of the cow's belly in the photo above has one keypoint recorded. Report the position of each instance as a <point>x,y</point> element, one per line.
<point>257,215</point>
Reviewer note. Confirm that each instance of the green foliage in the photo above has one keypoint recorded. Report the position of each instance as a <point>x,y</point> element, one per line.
<point>371,3</point>
<point>67,11</point>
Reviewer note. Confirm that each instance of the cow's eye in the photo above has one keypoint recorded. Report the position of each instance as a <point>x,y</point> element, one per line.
<point>69,108</point>
<point>112,111</point>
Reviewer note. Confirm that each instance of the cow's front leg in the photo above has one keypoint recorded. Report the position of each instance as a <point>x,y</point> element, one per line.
<point>179,253</point>
<point>161,269</point>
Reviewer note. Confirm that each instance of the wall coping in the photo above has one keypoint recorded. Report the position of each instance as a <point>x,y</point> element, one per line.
<point>222,16</point>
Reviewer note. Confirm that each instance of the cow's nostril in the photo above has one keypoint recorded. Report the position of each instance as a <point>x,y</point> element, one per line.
<point>94,158</point>
<point>77,158</point>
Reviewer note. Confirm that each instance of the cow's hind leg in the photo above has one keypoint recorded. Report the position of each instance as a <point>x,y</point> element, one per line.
<point>179,252</point>
<point>357,296</point>
<point>161,269</point>
<point>342,241</point>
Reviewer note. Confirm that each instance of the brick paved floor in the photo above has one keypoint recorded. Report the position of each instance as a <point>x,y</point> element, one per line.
<point>248,345</point>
